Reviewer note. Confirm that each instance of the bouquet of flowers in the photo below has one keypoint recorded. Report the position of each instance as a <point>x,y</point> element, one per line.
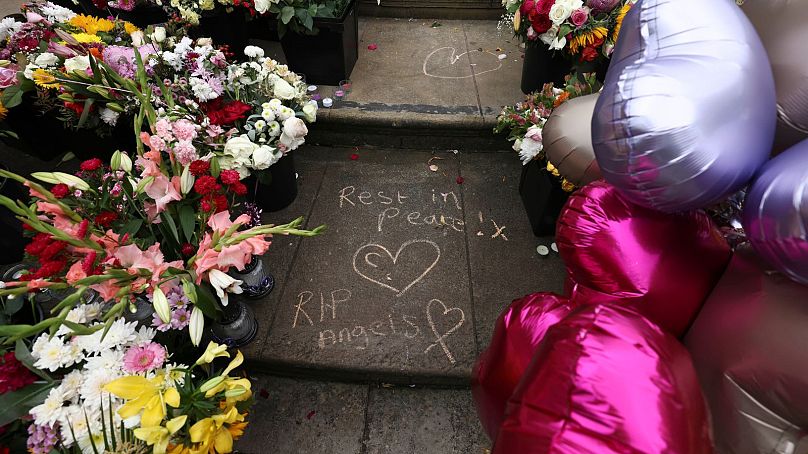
<point>524,121</point>
<point>584,30</point>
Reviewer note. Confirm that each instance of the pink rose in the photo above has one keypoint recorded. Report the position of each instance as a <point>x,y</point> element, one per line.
<point>579,16</point>
<point>8,76</point>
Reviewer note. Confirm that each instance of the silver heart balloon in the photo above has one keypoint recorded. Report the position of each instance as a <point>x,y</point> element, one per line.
<point>687,114</point>
<point>567,138</point>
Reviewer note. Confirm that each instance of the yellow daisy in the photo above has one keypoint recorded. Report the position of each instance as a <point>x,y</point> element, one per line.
<point>619,20</point>
<point>44,79</point>
<point>130,27</point>
<point>92,25</point>
<point>86,38</point>
<point>584,39</point>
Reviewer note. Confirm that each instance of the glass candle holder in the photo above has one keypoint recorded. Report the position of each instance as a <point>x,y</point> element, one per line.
<point>345,86</point>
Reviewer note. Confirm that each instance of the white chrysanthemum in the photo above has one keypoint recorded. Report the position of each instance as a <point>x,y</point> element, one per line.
<point>46,60</point>
<point>92,391</point>
<point>253,51</point>
<point>76,315</point>
<point>56,13</point>
<point>50,355</point>
<point>8,26</point>
<point>202,90</point>
<point>120,333</point>
<point>93,311</point>
<point>110,360</point>
<point>71,383</point>
<point>76,417</point>
<point>39,344</point>
<point>109,116</point>
<point>72,353</point>
<point>93,443</point>
<point>174,375</point>
<point>51,410</point>
<point>285,113</point>
<point>144,335</point>
<point>173,59</point>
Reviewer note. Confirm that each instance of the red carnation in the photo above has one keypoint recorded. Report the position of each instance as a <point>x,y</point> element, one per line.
<point>88,262</point>
<point>13,374</point>
<point>221,202</point>
<point>188,249</point>
<point>105,218</point>
<point>50,268</point>
<point>205,206</point>
<point>91,164</point>
<point>60,190</point>
<point>100,4</point>
<point>239,188</point>
<point>199,168</point>
<point>51,250</point>
<point>225,114</point>
<point>82,231</point>
<point>229,177</point>
<point>38,244</point>
<point>206,184</point>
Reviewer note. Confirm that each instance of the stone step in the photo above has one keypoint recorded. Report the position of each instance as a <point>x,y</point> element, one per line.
<point>406,283</point>
<point>313,417</point>
<point>423,84</point>
<point>436,9</point>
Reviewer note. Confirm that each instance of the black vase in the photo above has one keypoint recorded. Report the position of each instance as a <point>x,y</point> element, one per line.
<point>542,197</point>
<point>281,190</point>
<point>236,327</point>
<point>329,56</point>
<point>225,28</point>
<point>542,65</point>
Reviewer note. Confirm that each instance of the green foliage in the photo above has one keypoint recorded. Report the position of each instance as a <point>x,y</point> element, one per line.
<point>298,15</point>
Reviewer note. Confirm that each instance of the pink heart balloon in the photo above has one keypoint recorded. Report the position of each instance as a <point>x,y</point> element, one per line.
<point>606,380</point>
<point>518,331</point>
<point>664,265</point>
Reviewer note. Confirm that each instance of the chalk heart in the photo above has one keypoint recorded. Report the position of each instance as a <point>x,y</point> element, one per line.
<point>446,63</point>
<point>400,271</point>
<point>442,313</point>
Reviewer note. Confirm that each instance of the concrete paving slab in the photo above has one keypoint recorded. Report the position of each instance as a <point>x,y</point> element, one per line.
<point>486,44</point>
<point>501,269</point>
<point>279,258</point>
<point>306,417</point>
<point>385,292</point>
<point>414,64</point>
<point>406,421</point>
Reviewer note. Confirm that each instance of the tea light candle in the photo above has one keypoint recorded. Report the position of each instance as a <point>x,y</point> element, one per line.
<point>328,102</point>
<point>312,88</point>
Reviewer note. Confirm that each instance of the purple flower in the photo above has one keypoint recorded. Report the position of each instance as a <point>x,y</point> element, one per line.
<point>41,439</point>
<point>157,322</point>
<point>602,6</point>
<point>180,318</point>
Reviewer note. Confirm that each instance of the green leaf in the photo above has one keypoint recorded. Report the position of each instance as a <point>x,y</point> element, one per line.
<point>88,104</point>
<point>172,226</point>
<point>287,13</point>
<point>214,168</point>
<point>188,221</point>
<point>308,22</point>
<point>12,96</point>
<point>207,302</point>
<point>16,404</point>
<point>132,227</point>
<point>24,356</point>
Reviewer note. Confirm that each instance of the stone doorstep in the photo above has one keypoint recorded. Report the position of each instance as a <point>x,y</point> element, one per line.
<point>407,127</point>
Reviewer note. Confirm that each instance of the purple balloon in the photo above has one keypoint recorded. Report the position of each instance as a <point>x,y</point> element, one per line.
<point>775,214</point>
<point>687,114</point>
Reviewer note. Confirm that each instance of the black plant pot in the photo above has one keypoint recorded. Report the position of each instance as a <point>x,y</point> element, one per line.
<point>225,28</point>
<point>329,56</point>
<point>281,190</point>
<point>542,197</point>
<point>541,65</point>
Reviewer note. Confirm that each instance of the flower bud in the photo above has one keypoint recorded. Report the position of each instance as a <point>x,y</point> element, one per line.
<point>196,326</point>
<point>160,303</point>
<point>186,180</point>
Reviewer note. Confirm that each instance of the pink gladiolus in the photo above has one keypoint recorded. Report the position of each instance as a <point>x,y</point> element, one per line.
<point>150,168</point>
<point>163,191</point>
<point>106,289</point>
<point>221,221</point>
<point>75,273</point>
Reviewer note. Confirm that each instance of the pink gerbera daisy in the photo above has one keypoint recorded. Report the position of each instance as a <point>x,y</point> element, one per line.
<point>145,358</point>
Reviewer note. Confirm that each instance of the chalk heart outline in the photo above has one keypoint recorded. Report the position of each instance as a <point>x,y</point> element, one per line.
<point>446,310</point>
<point>453,58</point>
<point>378,250</point>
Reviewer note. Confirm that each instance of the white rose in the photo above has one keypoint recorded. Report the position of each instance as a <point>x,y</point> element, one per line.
<point>262,6</point>
<point>46,59</point>
<point>550,35</point>
<point>138,39</point>
<point>240,148</point>
<point>79,63</point>
<point>571,4</point>
<point>559,12</point>
<point>159,34</point>
<point>204,42</point>
<point>264,156</point>
<point>310,111</point>
<point>294,133</point>
<point>283,90</point>
<point>254,52</point>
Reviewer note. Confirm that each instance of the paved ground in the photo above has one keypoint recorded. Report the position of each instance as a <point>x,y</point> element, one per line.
<point>406,283</point>
<point>309,417</point>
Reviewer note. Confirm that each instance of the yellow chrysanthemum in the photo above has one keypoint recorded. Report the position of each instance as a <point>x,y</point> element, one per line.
<point>92,25</point>
<point>619,21</point>
<point>130,27</point>
<point>44,79</point>
<point>3,110</point>
<point>86,38</point>
<point>578,42</point>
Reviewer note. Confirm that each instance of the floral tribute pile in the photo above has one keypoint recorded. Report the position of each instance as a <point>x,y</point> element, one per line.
<point>524,121</point>
<point>162,225</point>
<point>584,30</point>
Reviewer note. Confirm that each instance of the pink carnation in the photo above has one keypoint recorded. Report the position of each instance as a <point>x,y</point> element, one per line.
<point>185,153</point>
<point>184,130</point>
<point>163,128</point>
<point>145,358</point>
<point>579,16</point>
